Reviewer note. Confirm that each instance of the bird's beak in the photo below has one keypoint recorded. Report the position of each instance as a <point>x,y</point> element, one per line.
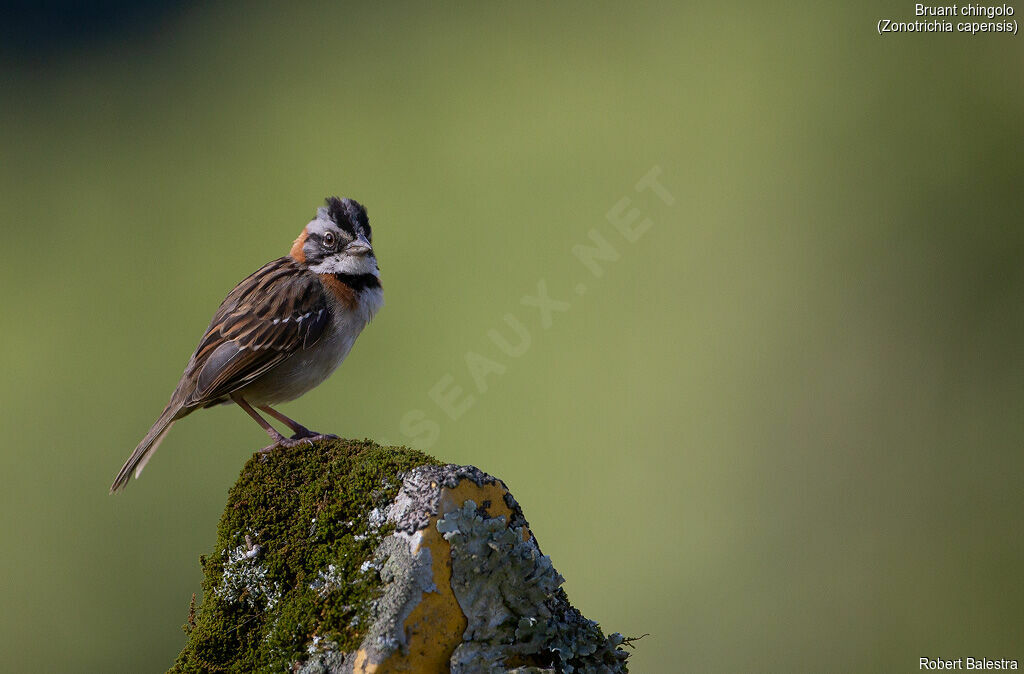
<point>359,247</point>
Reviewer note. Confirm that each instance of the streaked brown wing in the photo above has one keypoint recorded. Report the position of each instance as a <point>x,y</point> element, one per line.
<point>266,318</point>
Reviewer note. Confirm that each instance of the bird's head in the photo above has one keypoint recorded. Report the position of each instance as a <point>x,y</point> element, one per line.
<point>338,241</point>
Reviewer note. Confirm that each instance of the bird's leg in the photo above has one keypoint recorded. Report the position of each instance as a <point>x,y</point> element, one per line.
<point>279,440</point>
<point>301,432</point>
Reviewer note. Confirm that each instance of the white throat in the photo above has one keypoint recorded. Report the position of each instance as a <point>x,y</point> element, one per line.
<point>347,264</point>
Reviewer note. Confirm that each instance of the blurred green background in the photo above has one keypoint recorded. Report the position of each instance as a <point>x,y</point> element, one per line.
<point>782,432</point>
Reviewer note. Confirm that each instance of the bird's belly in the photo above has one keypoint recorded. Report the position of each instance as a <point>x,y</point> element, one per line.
<point>303,370</point>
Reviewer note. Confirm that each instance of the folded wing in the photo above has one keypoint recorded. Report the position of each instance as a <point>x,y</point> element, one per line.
<point>270,315</point>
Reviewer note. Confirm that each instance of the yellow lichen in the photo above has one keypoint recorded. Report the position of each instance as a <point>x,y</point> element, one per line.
<point>435,626</point>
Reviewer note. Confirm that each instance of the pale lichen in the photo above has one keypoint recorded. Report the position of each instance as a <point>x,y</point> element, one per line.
<point>244,579</point>
<point>518,615</point>
<point>326,581</point>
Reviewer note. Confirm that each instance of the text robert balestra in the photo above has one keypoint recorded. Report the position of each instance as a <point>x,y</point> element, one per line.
<point>933,664</point>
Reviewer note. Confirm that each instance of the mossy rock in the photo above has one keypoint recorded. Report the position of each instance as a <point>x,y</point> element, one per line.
<point>352,557</point>
<point>297,524</point>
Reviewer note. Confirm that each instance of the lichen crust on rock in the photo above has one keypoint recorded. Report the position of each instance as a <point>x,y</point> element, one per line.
<point>420,625</point>
<point>350,557</point>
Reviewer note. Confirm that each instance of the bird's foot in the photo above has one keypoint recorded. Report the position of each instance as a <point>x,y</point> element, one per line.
<point>306,434</point>
<point>284,443</point>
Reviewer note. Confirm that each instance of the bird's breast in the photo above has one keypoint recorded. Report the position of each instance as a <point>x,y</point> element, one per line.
<point>307,368</point>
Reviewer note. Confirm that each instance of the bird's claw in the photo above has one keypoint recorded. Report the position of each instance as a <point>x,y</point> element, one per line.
<point>313,436</point>
<point>285,443</point>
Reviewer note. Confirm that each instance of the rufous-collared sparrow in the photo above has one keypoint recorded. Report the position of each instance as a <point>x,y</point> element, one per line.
<point>282,331</point>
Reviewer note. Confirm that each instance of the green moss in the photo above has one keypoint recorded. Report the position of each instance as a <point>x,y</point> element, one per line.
<point>292,554</point>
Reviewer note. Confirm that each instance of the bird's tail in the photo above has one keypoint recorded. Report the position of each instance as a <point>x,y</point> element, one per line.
<point>137,461</point>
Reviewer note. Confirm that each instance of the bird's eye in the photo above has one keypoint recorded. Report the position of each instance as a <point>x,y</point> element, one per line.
<point>329,241</point>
